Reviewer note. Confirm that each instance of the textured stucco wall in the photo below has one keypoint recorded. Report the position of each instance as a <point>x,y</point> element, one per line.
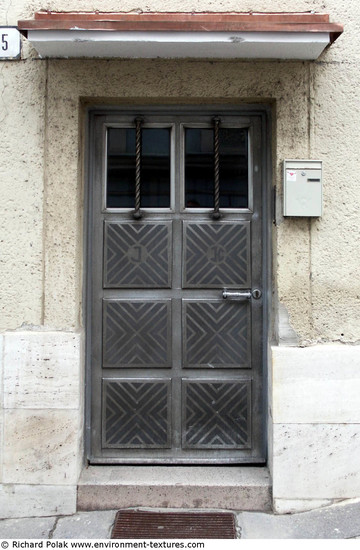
<point>157,81</point>
<point>315,262</point>
<point>22,105</point>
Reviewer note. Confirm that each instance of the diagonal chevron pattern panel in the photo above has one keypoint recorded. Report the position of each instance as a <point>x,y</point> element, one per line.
<point>216,415</point>
<point>137,333</point>
<point>136,414</point>
<point>216,255</point>
<point>217,334</point>
<point>137,255</point>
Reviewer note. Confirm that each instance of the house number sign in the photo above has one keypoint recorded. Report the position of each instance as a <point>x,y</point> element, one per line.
<point>10,44</point>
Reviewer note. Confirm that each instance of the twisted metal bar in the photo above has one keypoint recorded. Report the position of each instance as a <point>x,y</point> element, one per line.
<point>216,212</point>
<point>137,214</point>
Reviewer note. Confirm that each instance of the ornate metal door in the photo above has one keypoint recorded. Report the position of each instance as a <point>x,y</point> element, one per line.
<point>175,287</point>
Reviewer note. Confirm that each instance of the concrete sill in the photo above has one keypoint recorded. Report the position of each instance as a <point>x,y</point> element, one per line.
<point>229,487</point>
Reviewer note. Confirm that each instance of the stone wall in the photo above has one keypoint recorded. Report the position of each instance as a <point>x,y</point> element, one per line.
<point>316,418</point>
<point>42,422</point>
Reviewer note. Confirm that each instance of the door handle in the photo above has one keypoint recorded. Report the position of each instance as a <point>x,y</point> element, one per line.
<point>236,295</point>
<point>241,295</point>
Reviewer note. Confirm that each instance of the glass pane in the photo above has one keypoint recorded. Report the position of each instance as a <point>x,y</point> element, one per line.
<point>199,167</point>
<point>155,168</point>
<point>121,168</point>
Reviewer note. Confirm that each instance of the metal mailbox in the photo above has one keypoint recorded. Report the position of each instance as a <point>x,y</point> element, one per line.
<point>303,188</point>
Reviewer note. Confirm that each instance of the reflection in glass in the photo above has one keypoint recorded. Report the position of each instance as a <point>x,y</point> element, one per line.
<point>199,167</point>
<point>155,168</point>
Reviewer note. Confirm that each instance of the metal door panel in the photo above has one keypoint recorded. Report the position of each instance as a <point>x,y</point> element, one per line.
<point>137,255</point>
<point>137,333</point>
<point>216,334</point>
<point>216,255</point>
<point>137,414</point>
<point>216,415</point>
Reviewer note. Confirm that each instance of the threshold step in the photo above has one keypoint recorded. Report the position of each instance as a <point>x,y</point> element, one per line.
<point>226,487</point>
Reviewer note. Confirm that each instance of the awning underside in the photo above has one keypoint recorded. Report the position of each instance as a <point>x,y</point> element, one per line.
<point>176,35</point>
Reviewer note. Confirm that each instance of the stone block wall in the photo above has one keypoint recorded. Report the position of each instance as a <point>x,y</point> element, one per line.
<point>316,426</point>
<point>41,422</point>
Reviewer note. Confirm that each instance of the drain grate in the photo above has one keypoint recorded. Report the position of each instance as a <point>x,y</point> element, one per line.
<point>135,524</point>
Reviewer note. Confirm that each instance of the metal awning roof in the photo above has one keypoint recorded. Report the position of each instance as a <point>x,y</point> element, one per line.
<point>178,35</point>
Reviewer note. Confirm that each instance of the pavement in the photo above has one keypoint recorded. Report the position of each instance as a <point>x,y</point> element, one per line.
<point>339,521</point>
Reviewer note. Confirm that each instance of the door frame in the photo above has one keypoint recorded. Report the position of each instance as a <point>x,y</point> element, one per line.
<point>232,109</point>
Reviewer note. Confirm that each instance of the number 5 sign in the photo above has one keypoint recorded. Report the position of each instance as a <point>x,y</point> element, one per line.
<point>10,44</point>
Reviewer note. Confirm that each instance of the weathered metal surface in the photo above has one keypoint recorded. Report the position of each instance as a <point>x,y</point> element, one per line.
<point>216,255</point>
<point>137,414</point>
<point>176,369</point>
<point>137,255</point>
<point>207,22</point>
<point>216,334</point>
<point>216,213</point>
<point>137,214</point>
<point>216,415</point>
<point>136,334</point>
<point>133,524</point>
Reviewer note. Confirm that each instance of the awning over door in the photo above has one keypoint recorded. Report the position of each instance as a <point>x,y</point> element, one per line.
<point>179,35</point>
